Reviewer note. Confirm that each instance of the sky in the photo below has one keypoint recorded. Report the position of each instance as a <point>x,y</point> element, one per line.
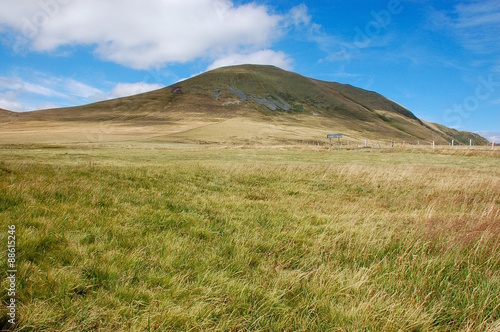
<point>439,59</point>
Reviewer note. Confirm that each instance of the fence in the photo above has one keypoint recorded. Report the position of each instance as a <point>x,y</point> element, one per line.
<point>347,144</point>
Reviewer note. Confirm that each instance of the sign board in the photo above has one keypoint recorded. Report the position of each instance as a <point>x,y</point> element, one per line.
<point>334,136</point>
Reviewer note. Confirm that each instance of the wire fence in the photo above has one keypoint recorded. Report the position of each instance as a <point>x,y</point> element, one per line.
<point>393,144</point>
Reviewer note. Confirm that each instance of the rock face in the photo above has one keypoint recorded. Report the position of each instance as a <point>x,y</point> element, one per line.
<point>273,103</point>
<point>217,93</point>
<point>239,93</point>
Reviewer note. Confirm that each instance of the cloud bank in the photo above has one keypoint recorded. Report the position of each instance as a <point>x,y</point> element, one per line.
<point>144,34</point>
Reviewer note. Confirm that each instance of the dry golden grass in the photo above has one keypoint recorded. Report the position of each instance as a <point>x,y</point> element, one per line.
<point>165,237</point>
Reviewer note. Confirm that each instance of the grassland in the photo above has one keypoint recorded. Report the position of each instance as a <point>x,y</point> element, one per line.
<point>194,238</point>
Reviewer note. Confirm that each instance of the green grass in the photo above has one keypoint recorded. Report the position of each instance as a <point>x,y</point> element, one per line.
<point>252,239</point>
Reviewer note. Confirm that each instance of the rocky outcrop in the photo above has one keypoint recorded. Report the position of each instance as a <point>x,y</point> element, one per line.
<point>271,102</point>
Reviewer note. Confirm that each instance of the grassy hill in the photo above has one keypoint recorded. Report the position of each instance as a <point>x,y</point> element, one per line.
<point>240,104</point>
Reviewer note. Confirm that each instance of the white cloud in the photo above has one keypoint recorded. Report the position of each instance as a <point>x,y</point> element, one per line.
<point>142,34</point>
<point>265,57</point>
<point>129,89</point>
<point>297,19</point>
<point>8,101</point>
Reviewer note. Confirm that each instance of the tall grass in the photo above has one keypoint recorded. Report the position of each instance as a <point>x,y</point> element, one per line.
<point>215,239</point>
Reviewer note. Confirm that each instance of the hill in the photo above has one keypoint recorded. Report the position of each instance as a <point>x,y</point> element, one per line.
<point>7,116</point>
<point>241,104</point>
<point>5,113</point>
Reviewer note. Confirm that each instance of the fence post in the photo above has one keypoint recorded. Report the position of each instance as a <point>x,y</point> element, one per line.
<point>366,143</point>
<point>433,145</point>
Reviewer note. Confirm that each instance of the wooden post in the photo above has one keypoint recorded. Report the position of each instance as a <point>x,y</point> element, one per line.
<point>433,145</point>
<point>366,143</point>
<point>470,143</point>
<point>452,143</point>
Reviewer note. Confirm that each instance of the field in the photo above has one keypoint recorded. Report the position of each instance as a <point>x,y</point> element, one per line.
<point>206,238</point>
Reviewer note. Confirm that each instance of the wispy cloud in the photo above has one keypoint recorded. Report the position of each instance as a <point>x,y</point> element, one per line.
<point>21,86</point>
<point>17,93</point>
<point>474,24</point>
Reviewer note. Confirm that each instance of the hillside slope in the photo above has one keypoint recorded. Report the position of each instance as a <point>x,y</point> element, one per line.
<point>7,116</point>
<point>244,104</point>
<point>5,113</point>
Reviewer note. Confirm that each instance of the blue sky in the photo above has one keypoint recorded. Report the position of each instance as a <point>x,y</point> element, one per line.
<point>440,59</point>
